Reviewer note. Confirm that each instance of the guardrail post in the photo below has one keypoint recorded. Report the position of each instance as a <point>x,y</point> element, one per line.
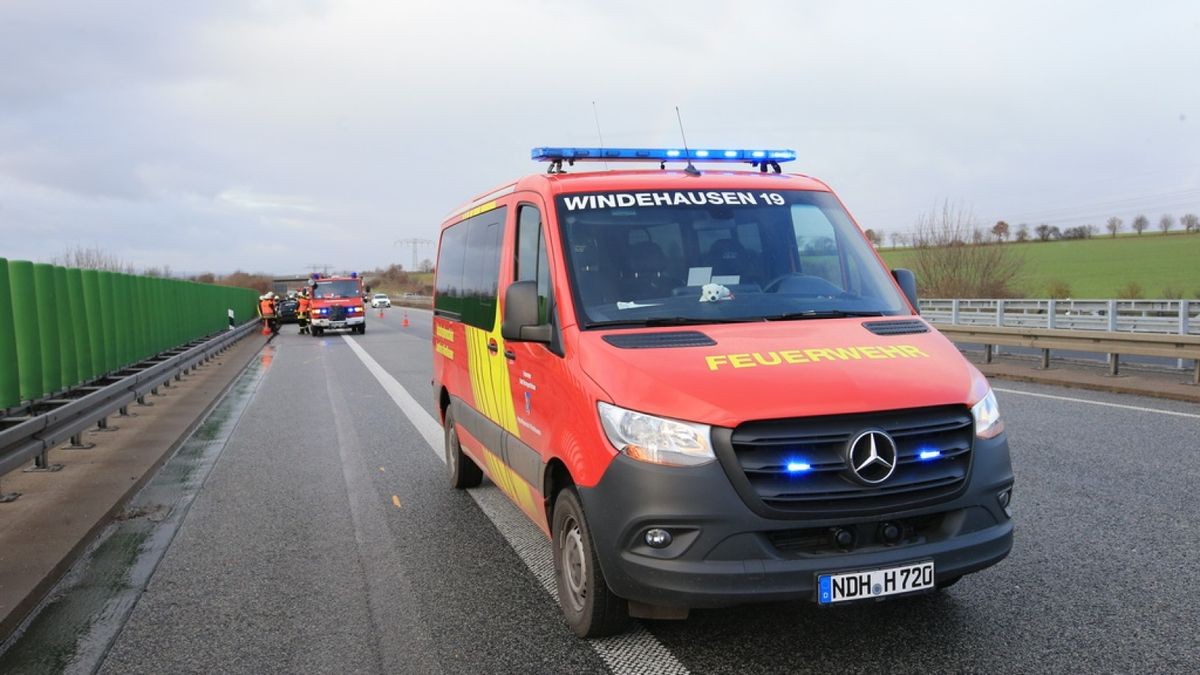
<point>41,464</point>
<point>1114,364</point>
<point>1051,313</point>
<point>1112,327</point>
<point>1183,323</point>
<point>999,322</point>
<point>987,353</point>
<point>1045,359</point>
<point>954,311</point>
<point>103,425</point>
<point>77,443</point>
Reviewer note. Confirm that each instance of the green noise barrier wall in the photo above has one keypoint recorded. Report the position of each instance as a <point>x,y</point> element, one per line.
<point>70,326</point>
<point>10,383</point>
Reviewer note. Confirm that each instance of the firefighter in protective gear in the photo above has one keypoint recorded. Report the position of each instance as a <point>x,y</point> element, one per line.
<point>266,311</point>
<point>303,304</point>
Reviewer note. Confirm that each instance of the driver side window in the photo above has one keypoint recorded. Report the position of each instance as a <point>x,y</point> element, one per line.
<point>816,242</point>
<point>531,263</point>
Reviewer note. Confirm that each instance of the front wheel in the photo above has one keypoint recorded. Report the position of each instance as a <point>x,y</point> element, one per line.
<point>591,609</point>
<point>464,473</point>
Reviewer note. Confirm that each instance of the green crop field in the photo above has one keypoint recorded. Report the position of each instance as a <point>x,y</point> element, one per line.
<point>1163,265</point>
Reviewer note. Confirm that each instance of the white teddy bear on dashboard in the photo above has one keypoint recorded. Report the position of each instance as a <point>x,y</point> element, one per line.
<point>714,292</point>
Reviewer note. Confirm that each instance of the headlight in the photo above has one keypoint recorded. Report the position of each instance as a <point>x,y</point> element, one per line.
<point>987,417</point>
<point>656,440</point>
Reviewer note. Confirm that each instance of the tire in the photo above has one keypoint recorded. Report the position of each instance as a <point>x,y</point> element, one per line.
<point>362,329</point>
<point>590,607</point>
<point>464,473</point>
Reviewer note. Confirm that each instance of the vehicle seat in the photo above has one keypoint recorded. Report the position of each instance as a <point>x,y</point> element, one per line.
<point>646,273</point>
<point>726,257</point>
<point>595,281</point>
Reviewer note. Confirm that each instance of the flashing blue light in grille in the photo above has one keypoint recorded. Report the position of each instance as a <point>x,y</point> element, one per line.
<point>929,454</point>
<point>660,154</point>
<point>798,467</point>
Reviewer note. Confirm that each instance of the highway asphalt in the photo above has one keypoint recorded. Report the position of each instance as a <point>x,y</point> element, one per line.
<point>327,539</point>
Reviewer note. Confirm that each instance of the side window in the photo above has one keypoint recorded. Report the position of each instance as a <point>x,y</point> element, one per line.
<point>531,263</point>
<point>451,255</point>
<point>469,269</point>
<point>817,243</point>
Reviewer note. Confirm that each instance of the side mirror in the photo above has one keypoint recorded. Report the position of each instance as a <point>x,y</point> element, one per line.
<point>520,320</point>
<point>908,284</point>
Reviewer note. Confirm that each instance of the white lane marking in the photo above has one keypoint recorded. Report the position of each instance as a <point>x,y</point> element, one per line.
<point>1103,403</point>
<point>636,651</point>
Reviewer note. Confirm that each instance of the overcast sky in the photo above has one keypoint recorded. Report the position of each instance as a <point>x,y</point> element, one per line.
<point>265,135</point>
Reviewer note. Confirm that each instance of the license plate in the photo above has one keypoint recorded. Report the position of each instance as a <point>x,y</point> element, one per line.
<point>880,583</point>
<point>338,324</point>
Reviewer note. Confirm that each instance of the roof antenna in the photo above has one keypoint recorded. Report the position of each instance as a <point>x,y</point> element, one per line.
<point>598,134</point>
<point>689,169</point>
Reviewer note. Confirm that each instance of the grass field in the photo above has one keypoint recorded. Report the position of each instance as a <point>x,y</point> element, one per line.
<point>1164,265</point>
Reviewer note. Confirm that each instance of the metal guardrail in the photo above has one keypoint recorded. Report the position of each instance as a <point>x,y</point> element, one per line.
<point>30,437</point>
<point>1177,317</point>
<point>1103,342</point>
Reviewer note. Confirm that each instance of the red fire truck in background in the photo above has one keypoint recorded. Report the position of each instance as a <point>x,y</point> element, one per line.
<point>337,302</point>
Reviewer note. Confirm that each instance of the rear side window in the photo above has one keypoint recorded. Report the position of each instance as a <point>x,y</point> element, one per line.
<point>468,270</point>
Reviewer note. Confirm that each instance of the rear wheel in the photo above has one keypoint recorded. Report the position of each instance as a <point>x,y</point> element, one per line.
<point>464,473</point>
<point>591,609</point>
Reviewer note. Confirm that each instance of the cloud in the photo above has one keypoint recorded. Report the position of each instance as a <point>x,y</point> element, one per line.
<point>190,133</point>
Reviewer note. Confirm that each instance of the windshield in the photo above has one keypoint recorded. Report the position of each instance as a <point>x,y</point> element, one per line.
<point>381,296</point>
<point>662,257</point>
<point>342,288</point>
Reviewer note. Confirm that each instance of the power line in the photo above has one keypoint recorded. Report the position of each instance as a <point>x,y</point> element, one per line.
<point>413,243</point>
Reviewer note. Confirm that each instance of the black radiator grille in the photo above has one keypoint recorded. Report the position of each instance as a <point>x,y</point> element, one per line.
<point>764,450</point>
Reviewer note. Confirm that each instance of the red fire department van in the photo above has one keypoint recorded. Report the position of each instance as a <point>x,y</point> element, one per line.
<point>706,389</point>
<point>337,302</point>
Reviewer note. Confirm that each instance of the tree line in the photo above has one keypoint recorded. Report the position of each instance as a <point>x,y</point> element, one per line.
<point>1003,232</point>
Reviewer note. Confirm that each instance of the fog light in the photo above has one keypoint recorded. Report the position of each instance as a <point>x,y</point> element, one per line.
<point>843,538</point>
<point>891,532</point>
<point>1005,498</point>
<point>658,538</point>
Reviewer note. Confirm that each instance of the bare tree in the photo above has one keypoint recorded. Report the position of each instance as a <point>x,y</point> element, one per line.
<point>1190,222</point>
<point>1000,230</point>
<point>1113,226</point>
<point>1166,223</point>
<point>426,265</point>
<point>92,258</point>
<point>1023,232</point>
<point>1043,232</point>
<point>948,268</point>
<point>897,239</point>
<point>1140,224</point>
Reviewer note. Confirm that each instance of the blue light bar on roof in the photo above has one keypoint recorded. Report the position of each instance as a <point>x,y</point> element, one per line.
<point>661,155</point>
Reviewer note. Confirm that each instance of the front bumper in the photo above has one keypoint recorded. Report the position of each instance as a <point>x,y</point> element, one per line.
<point>723,553</point>
<point>344,323</point>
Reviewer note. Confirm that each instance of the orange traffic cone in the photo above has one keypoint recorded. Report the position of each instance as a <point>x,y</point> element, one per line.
<point>266,329</point>
<point>381,311</point>
<point>404,323</point>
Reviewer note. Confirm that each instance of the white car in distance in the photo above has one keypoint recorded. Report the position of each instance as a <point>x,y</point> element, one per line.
<point>381,300</point>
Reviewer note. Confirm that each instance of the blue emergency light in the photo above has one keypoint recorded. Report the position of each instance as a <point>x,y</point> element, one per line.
<point>572,155</point>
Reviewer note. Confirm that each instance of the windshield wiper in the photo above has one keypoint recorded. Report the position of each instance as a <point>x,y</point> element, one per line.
<point>669,321</point>
<point>820,314</point>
